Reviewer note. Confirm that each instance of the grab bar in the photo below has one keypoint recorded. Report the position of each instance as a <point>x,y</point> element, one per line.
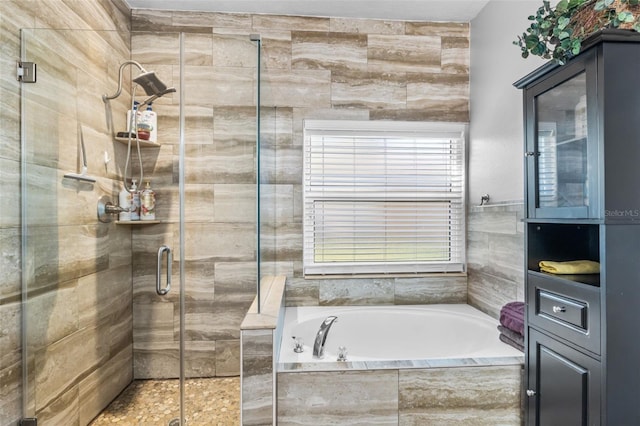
<point>162,291</point>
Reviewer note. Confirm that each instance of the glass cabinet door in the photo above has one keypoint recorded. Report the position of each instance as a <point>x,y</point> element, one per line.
<point>560,184</point>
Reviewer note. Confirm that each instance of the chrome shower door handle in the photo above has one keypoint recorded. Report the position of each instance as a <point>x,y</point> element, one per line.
<point>161,251</point>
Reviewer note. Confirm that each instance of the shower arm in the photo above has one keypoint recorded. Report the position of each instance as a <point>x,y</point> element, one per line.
<point>106,98</point>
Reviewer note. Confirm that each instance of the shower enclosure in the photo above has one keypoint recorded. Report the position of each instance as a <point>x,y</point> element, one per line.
<point>92,319</point>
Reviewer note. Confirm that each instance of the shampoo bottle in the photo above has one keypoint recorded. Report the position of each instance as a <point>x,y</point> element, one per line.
<point>124,200</point>
<point>135,201</point>
<point>148,203</point>
<point>130,116</point>
<point>150,121</point>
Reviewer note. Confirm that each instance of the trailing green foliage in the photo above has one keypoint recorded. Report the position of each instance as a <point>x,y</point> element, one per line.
<point>555,33</point>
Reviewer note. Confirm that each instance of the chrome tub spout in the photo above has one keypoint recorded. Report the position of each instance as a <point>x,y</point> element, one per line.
<point>321,336</point>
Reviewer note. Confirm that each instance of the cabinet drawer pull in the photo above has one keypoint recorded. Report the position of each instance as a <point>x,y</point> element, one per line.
<point>559,309</point>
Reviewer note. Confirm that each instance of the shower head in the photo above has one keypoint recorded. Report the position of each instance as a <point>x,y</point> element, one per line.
<point>147,79</point>
<point>150,83</point>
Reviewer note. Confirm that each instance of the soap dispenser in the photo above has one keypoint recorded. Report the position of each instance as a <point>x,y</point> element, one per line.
<point>135,201</point>
<point>124,200</point>
<point>148,203</point>
<point>131,119</point>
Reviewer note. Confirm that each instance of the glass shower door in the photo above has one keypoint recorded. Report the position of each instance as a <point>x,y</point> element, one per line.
<point>76,274</point>
<point>92,320</point>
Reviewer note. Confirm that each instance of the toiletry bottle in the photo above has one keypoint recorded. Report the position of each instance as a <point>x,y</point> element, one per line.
<point>124,200</point>
<point>130,116</point>
<point>135,201</point>
<point>148,203</point>
<point>150,119</point>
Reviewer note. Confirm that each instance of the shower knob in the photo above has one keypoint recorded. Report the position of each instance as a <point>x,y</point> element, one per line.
<point>106,209</point>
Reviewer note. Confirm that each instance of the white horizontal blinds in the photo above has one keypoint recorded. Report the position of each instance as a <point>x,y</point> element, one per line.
<point>387,200</point>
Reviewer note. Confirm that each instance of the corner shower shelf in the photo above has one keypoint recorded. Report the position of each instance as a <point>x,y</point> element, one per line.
<point>143,143</point>
<point>137,222</point>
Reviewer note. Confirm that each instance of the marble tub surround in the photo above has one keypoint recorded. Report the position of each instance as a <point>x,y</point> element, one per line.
<point>479,395</point>
<point>395,365</point>
<point>495,255</point>
<point>271,304</point>
<point>260,340</point>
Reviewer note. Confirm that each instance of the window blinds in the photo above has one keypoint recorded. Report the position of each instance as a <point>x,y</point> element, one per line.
<point>383,197</point>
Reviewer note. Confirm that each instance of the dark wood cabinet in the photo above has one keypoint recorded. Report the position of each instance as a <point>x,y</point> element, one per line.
<point>582,184</point>
<point>566,381</point>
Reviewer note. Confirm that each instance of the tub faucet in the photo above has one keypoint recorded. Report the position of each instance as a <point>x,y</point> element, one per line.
<point>321,336</point>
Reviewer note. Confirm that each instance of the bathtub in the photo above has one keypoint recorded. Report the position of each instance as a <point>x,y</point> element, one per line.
<point>394,333</point>
<point>429,364</point>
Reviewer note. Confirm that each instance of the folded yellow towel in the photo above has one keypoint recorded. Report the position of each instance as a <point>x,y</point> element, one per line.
<point>570,267</point>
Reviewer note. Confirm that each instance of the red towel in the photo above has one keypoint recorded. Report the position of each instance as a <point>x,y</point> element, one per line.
<point>512,316</point>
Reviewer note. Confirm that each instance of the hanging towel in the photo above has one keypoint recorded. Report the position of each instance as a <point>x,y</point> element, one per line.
<point>512,316</point>
<point>570,267</point>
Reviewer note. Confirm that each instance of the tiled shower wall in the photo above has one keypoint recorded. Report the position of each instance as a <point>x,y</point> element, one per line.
<point>316,68</point>
<point>79,338</point>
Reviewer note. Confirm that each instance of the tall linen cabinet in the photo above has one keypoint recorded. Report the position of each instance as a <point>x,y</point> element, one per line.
<point>582,196</point>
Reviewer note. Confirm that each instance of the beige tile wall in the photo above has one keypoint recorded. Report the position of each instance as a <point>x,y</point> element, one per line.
<point>79,336</point>
<point>495,256</point>
<point>311,68</point>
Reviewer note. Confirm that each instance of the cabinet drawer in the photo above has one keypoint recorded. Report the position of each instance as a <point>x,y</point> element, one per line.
<point>567,309</point>
<point>573,312</point>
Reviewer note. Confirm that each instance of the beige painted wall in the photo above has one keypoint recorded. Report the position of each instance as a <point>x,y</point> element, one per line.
<point>496,130</point>
<point>495,237</point>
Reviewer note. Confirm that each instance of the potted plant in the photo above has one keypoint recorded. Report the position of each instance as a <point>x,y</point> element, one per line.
<point>558,32</point>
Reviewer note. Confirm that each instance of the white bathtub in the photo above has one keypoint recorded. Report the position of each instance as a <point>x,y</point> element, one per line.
<point>431,364</point>
<point>394,333</point>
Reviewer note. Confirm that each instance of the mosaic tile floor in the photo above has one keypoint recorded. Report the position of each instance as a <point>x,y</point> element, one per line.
<point>208,402</point>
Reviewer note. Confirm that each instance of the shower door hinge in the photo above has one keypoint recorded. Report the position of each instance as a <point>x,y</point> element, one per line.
<point>26,72</point>
<point>29,421</point>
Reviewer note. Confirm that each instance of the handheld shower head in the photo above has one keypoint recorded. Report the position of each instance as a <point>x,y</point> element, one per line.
<point>152,98</point>
<point>150,82</point>
<point>147,79</point>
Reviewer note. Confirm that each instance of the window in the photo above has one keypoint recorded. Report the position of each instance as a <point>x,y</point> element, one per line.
<point>383,197</point>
